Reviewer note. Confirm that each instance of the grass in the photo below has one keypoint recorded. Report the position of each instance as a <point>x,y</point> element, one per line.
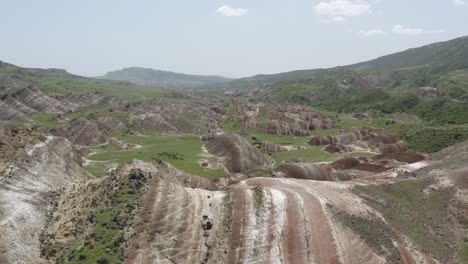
<point>432,138</point>
<point>463,253</point>
<point>410,210</point>
<point>310,154</point>
<point>183,152</point>
<point>50,120</point>
<point>105,245</point>
<point>279,139</point>
<point>59,82</point>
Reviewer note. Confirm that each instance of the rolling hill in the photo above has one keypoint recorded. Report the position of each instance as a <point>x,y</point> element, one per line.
<point>59,82</point>
<point>163,79</point>
<point>430,81</point>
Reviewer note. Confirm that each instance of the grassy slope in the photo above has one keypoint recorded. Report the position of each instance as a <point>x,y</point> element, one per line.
<point>412,212</point>
<point>59,82</point>
<point>183,152</point>
<point>165,79</point>
<point>443,65</point>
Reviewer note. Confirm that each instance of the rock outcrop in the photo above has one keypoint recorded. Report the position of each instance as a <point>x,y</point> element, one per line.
<point>430,92</point>
<point>31,182</point>
<point>21,104</point>
<point>84,132</point>
<point>238,153</point>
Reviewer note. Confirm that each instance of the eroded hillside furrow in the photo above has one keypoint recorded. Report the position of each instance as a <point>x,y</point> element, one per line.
<point>29,189</point>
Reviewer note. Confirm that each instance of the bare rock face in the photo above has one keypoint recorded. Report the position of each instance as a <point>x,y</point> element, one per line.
<point>38,101</point>
<point>282,128</point>
<point>239,154</point>
<point>306,171</point>
<point>84,132</point>
<point>28,101</point>
<point>338,148</point>
<point>379,163</point>
<point>297,121</point>
<point>273,148</point>
<point>323,140</point>
<point>377,140</point>
<point>348,136</point>
<point>34,177</point>
<point>393,148</point>
<point>111,123</point>
<point>430,92</point>
<point>182,117</point>
<point>8,113</point>
<point>310,214</point>
<point>406,157</point>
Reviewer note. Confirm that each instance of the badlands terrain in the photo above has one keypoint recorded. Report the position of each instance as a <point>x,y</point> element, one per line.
<point>366,163</point>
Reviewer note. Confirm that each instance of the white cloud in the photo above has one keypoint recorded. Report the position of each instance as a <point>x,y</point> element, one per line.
<point>343,8</point>
<point>459,2</point>
<point>372,32</point>
<point>231,11</point>
<point>399,29</point>
<point>338,19</point>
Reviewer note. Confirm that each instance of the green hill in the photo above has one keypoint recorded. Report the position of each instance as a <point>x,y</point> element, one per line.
<point>388,84</point>
<point>60,82</point>
<point>164,79</point>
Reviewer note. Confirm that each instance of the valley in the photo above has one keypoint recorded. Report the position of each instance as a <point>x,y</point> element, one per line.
<point>365,163</point>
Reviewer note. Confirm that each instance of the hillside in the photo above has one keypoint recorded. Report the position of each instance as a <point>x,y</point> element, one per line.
<point>163,79</point>
<point>433,59</point>
<point>430,81</point>
<point>59,82</point>
<point>312,166</point>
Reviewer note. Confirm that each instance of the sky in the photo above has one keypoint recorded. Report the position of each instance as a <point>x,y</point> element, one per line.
<point>233,38</point>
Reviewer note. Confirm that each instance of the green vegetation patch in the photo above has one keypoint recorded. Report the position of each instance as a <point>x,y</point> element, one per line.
<point>464,254</point>
<point>183,152</point>
<point>422,217</point>
<point>432,138</point>
<point>105,225</point>
<point>309,154</point>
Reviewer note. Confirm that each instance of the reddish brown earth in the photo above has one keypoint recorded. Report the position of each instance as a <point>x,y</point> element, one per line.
<point>322,140</point>
<point>239,155</point>
<point>393,148</point>
<point>338,148</point>
<point>260,220</point>
<point>273,148</point>
<point>21,104</point>
<point>84,132</point>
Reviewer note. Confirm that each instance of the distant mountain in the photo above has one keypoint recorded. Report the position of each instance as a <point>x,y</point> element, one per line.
<point>431,81</point>
<point>414,65</point>
<point>163,79</point>
<point>59,82</point>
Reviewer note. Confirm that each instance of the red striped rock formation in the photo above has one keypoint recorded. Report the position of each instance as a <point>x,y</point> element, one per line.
<point>111,123</point>
<point>338,148</point>
<point>297,121</point>
<point>406,157</point>
<point>239,154</point>
<point>348,136</point>
<point>377,140</point>
<point>84,132</point>
<point>275,127</point>
<point>273,148</point>
<point>36,170</point>
<point>181,117</point>
<point>305,171</point>
<point>323,140</point>
<point>360,164</point>
<point>28,101</point>
<point>393,148</point>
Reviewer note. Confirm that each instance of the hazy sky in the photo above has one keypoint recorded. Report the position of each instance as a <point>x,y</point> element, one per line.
<point>223,37</point>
